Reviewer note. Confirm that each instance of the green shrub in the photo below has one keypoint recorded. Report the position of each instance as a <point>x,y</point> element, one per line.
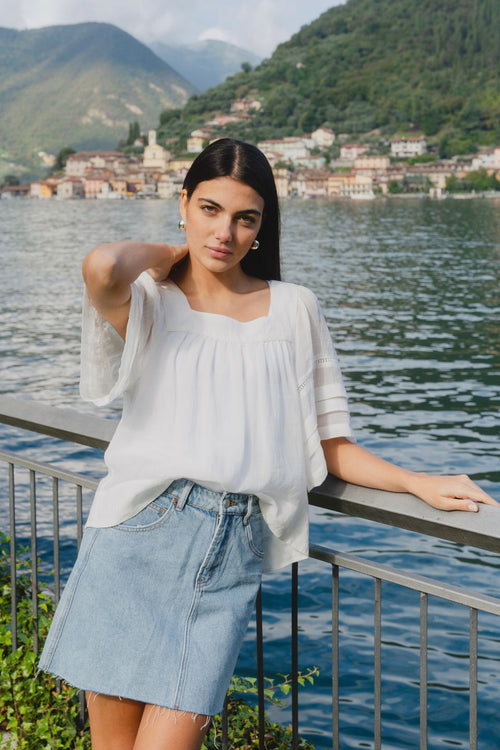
<point>36,711</point>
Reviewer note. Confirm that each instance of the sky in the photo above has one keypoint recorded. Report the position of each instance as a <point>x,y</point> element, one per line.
<point>257,25</point>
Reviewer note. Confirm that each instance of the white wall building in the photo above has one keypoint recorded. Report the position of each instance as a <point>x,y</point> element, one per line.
<point>405,148</point>
<point>77,164</point>
<point>287,149</point>
<point>484,160</point>
<point>353,151</point>
<point>323,137</point>
<point>155,157</point>
<point>197,139</point>
<point>71,187</point>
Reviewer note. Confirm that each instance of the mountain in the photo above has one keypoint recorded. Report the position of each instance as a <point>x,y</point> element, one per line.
<point>394,65</point>
<point>78,86</point>
<point>205,63</point>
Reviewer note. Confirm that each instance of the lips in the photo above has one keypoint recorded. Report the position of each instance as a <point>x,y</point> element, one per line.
<point>219,252</point>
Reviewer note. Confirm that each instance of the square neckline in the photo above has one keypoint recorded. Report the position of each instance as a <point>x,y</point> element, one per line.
<point>181,294</point>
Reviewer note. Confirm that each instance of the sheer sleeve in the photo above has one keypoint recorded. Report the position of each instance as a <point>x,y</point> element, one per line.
<point>323,397</point>
<point>109,364</point>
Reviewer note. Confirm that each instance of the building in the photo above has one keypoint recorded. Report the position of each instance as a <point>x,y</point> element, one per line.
<point>220,121</point>
<point>94,181</point>
<point>155,157</point>
<point>170,185</point>
<point>353,151</point>
<point>198,140</point>
<point>282,180</point>
<point>41,189</point>
<point>119,185</point>
<point>405,148</point>
<point>350,185</point>
<point>181,164</point>
<point>291,150</point>
<point>246,105</point>
<point>371,164</point>
<point>484,160</point>
<point>71,187</point>
<point>310,183</point>
<point>323,137</point>
<point>78,164</point>
<point>15,191</point>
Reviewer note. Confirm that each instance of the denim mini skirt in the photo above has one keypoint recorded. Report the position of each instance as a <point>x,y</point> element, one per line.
<point>156,608</point>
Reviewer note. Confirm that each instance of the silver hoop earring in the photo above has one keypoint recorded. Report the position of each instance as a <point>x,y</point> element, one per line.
<point>255,245</point>
<point>182,225</point>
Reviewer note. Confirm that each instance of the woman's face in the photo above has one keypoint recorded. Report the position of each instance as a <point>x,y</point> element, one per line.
<point>222,217</point>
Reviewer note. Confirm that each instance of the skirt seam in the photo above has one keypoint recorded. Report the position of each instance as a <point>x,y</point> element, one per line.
<point>59,624</point>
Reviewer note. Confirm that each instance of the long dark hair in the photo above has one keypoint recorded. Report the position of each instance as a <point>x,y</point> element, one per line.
<point>228,157</point>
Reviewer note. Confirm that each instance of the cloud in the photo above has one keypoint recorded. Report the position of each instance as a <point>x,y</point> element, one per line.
<point>215,33</point>
<point>259,26</point>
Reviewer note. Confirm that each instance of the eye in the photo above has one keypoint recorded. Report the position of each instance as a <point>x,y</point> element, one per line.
<point>247,219</point>
<point>208,209</point>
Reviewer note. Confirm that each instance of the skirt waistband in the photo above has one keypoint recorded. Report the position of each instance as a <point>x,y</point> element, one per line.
<point>185,491</point>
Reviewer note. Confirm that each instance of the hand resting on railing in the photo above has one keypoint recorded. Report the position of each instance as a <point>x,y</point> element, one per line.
<point>352,463</point>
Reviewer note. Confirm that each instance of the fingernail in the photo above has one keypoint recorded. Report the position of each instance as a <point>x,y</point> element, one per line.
<point>473,507</point>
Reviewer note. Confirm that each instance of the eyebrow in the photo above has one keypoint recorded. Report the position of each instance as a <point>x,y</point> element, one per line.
<point>218,205</point>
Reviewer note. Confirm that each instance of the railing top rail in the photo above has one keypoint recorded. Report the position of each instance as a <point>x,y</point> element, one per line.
<point>65,424</point>
<point>395,509</point>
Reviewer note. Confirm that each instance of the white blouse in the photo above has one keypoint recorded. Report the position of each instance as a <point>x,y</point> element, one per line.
<point>234,406</point>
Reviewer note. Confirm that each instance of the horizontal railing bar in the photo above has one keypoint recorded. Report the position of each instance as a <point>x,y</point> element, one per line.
<point>405,511</point>
<point>66,424</point>
<point>409,580</point>
<point>48,470</point>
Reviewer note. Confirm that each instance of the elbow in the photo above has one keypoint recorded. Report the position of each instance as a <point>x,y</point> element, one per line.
<point>100,268</point>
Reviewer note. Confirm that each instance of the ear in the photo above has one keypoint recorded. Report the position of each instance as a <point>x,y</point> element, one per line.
<point>183,203</point>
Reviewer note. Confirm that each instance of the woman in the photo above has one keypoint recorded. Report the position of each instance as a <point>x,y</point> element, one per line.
<point>233,407</point>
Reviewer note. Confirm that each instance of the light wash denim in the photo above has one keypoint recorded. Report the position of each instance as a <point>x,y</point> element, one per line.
<point>156,608</point>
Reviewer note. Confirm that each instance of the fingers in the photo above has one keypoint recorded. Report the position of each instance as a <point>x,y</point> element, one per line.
<point>468,490</point>
<point>454,493</point>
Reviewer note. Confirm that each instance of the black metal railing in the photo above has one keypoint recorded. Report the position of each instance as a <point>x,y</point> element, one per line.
<point>24,475</point>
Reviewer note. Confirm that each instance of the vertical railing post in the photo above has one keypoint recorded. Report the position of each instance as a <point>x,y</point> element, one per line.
<point>55,524</point>
<point>335,659</point>
<point>377,664</point>
<point>79,515</point>
<point>473,678</point>
<point>13,556</point>
<point>295,656</point>
<point>424,678</point>
<point>34,561</point>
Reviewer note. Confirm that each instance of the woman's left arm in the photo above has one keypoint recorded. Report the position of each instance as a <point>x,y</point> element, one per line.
<point>354,464</point>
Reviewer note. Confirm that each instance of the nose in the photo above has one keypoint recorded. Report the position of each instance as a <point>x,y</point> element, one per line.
<point>223,232</point>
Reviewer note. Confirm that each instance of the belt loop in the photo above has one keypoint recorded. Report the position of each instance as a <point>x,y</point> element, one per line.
<point>183,496</point>
<point>249,510</point>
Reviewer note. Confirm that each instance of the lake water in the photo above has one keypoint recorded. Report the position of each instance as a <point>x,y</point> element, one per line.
<point>411,291</point>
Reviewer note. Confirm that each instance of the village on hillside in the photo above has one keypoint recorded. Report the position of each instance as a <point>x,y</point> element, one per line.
<point>299,165</point>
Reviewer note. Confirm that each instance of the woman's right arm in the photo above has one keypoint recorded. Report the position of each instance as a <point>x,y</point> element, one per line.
<point>108,271</point>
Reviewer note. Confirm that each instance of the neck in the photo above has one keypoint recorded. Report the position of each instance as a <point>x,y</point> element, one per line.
<point>193,279</point>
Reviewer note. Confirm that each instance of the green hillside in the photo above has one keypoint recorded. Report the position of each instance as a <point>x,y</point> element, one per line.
<point>78,86</point>
<point>428,65</point>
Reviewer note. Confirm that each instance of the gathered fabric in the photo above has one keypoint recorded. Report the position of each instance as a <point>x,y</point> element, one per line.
<point>235,406</point>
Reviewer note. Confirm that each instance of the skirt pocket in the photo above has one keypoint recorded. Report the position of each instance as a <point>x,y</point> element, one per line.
<point>254,535</point>
<point>150,517</point>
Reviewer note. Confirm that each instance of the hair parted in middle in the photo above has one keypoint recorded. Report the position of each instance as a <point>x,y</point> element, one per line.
<point>228,157</point>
